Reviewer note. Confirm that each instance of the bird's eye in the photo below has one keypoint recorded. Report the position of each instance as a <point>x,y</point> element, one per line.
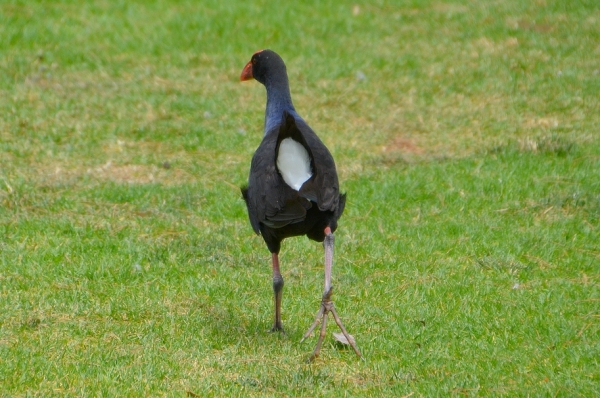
<point>254,61</point>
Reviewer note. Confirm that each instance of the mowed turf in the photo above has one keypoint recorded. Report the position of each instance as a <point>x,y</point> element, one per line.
<point>466,136</point>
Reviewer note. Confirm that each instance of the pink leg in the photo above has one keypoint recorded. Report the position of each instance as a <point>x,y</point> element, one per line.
<point>326,303</point>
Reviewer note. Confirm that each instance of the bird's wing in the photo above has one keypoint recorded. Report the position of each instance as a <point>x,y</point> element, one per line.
<point>269,199</point>
<point>322,187</point>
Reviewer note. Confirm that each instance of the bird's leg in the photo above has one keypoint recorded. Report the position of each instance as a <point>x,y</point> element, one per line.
<point>278,291</point>
<point>326,303</point>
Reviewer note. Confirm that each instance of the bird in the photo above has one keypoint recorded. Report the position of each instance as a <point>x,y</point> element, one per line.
<point>293,187</point>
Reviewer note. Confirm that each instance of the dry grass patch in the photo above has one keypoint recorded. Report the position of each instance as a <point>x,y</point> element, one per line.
<point>140,174</point>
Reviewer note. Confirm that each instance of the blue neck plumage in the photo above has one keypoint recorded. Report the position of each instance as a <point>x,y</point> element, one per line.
<point>278,100</point>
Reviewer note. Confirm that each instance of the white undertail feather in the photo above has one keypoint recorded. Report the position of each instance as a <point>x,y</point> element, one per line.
<point>293,163</point>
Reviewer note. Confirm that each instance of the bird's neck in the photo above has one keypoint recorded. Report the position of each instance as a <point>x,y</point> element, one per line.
<point>278,100</point>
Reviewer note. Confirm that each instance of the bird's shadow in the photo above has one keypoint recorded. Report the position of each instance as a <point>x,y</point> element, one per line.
<point>230,326</point>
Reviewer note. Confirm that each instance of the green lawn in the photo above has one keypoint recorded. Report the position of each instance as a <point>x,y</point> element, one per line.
<point>467,137</point>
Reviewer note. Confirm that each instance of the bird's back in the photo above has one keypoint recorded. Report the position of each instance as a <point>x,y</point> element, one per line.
<point>278,210</point>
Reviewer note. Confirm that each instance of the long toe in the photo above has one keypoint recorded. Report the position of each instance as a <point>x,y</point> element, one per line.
<point>344,337</point>
<point>278,327</point>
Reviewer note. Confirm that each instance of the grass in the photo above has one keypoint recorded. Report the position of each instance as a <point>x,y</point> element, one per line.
<point>466,137</point>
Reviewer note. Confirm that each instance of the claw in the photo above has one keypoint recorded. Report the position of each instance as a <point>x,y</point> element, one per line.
<point>277,328</point>
<point>326,308</point>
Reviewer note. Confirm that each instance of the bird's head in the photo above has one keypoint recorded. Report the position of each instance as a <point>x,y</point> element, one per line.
<point>264,64</point>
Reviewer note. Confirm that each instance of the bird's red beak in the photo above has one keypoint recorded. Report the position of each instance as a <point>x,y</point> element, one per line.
<point>247,72</point>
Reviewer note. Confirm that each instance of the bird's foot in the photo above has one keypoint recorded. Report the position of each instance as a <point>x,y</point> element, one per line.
<point>277,327</point>
<point>326,308</point>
